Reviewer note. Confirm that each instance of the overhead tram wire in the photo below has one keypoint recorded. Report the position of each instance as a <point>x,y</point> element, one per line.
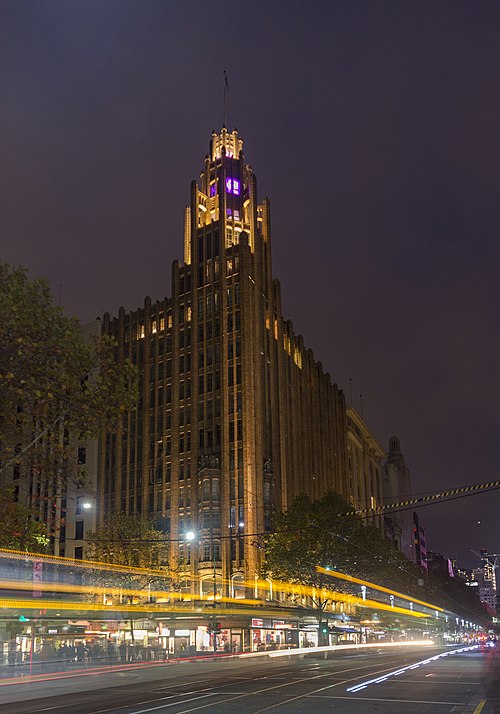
<point>438,496</point>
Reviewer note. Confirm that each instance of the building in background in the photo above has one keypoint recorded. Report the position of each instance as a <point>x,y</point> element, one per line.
<point>439,564</point>
<point>485,578</point>
<point>365,459</point>
<point>419,545</point>
<point>235,417</point>
<point>397,489</point>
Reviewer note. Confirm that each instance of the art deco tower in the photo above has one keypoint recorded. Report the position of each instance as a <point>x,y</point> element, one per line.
<point>236,417</point>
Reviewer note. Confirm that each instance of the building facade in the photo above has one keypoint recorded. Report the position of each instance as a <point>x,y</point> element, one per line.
<point>485,577</point>
<point>235,417</point>
<point>397,488</point>
<point>419,543</point>
<point>365,462</point>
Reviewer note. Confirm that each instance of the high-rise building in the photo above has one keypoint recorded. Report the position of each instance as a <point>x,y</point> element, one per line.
<point>485,577</point>
<point>235,417</point>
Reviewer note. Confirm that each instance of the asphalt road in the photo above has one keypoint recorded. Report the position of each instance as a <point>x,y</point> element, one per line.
<point>464,682</point>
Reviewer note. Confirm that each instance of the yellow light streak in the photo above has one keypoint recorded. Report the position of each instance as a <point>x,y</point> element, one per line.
<point>374,586</point>
<point>79,607</point>
<point>115,591</point>
<point>112,567</point>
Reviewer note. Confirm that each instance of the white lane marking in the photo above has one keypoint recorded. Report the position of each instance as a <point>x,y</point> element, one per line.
<point>279,686</point>
<point>454,683</point>
<point>147,701</point>
<point>403,701</point>
<point>179,684</point>
<point>415,665</point>
<point>172,704</point>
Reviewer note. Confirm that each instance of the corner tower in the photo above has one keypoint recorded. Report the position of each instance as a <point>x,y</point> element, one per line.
<point>236,417</point>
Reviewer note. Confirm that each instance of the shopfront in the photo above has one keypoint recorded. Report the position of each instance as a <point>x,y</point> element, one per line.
<point>270,634</point>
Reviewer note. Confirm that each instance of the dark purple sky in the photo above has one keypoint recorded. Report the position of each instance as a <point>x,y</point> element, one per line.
<point>374,127</point>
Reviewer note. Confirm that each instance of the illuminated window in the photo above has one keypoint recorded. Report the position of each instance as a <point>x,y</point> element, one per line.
<point>213,189</point>
<point>153,327</point>
<point>162,324</point>
<point>233,186</point>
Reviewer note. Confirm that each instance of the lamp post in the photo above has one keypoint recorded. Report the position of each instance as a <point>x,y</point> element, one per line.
<point>190,536</point>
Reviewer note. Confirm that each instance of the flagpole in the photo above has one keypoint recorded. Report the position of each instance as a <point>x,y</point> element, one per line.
<point>226,87</point>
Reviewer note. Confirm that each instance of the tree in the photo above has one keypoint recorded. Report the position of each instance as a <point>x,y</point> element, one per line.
<point>128,540</point>
<point>323,533</point>
<point>134,542</point>
<point>19,530</point>
<point>455,595</point>
<point>57,387</point>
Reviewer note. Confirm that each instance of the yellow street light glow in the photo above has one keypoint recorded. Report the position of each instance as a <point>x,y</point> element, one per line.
<point>374,586</point>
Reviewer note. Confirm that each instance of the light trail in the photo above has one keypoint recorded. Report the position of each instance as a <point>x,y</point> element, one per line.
<point>335,648</point>
<point>415,665</point>
<point>374,586</point>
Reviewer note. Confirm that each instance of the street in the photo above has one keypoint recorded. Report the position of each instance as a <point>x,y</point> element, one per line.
<point>461,682</point>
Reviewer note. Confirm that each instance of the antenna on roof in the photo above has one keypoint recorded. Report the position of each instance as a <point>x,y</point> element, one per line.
<point>226,93</point>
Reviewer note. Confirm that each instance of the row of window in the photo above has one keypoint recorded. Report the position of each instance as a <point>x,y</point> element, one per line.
<point>211,245</point>
<point>211,551</point>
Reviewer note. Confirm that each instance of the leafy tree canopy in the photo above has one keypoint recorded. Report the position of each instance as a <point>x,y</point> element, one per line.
<point>18,530</point>
<point>319,533</point>
<point>313,533</point>
<point>132,541</point>
<point>324,533</point>
<point>54,382</point>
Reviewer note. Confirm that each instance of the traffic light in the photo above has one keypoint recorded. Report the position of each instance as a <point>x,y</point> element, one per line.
<point>325,629</point>
<point>23,619</point>
<point>217,628</point>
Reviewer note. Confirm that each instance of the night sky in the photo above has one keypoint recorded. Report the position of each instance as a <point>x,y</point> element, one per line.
<point>374,128</point>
